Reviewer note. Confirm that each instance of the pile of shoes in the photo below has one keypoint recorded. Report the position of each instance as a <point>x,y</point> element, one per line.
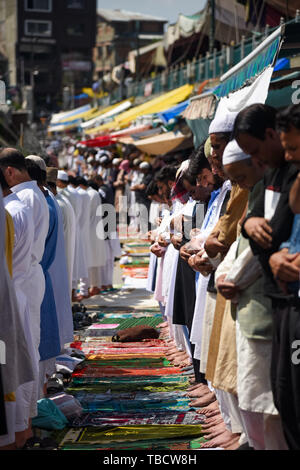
<point>80,317</point>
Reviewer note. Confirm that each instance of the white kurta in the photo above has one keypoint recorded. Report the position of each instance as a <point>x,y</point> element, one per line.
<point>79,268</point>
<point>30,194</point>
<point>69,226</point>
<point>60,283</point>
<point>85,225</point>
<point>16,365</point>
<point>26,394</point>
<point>97,244</point>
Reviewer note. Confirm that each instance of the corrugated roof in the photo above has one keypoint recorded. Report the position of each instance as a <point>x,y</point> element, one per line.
<point>124,15</point>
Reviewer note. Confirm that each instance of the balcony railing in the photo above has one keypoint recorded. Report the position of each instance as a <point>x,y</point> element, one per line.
<point>198,70</point>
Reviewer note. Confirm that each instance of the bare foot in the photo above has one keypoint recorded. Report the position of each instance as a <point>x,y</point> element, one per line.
<point>212,408</point>
<point>233,445</point>
<point>193,387</point>
<point>209,422</point>
<point>198,392</point>
<point>215,431</point>
<point>205,400</point>
<point>225,438</point>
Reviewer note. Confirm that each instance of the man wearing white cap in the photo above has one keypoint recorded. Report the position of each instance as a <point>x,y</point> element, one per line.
<point>76,202</point>
<point>253,318</point>
<point>69,223</point>
<point>12,163</point>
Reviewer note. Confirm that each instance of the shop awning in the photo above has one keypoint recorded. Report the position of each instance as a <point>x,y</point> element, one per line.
<point>251,66</point>
<point>201,107</point>
<point>104,114</point>
<point>173,112</point>
<point>153,106</point>
<point>161,144</point>
<point>58,117</point>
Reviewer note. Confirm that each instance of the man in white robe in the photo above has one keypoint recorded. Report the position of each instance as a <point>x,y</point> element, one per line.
<point>69,222</point>
<point>80,267</point>
<point>12,163</point>
<point>81,187</point>
<point>97,243</point>
<point>23,240</point>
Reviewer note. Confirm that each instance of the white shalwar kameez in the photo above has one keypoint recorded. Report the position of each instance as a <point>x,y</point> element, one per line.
<point>31,195</point>
<point>97,244</point>
<point>69,226</point>
<point>26,394</point>
<point>85,232</point>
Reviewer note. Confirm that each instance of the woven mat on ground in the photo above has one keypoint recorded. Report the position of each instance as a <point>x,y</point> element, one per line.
<point>135,406</point>
<point>132,381</point>
<point>94,343</point>
<point>137,273</point>
<point>120,419</point>
<point>134,362</point>
<point>93,435</point>
<point>111,371</point>
<point>164,444</point>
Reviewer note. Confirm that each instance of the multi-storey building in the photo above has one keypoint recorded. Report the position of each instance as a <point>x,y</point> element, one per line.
<point>48,44</point>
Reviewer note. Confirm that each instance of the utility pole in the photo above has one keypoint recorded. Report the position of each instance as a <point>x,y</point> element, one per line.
<point>211,10</point>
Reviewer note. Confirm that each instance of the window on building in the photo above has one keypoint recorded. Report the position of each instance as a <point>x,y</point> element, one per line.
<point>38,5</point>
<point>151,27</point>
<point>75,29</point>
<point>75,3</point>
<point>38,28</point>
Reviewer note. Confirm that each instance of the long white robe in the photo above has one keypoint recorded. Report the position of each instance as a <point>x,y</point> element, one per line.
<point>16,365</point>
<point>85,225</point>
<point>30,194</point>
<point>79,268</point>
<point>69,227</point>
<point>97,244</point>
<point>60,283</point>
<point>26,394</point>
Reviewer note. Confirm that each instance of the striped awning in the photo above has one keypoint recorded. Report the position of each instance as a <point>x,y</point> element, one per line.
<point>251,66</point>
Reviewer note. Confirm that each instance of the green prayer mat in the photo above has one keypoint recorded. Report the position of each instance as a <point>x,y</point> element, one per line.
<point>94,436</point>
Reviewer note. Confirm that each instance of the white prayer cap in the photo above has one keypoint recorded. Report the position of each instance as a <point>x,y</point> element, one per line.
<point>116,161</point>
<point>90,159</point>
<point>233,153</point>
<point>38,160</point>
<point>222,123</point>
<point>104,160</point>
<point>62,175</point>
<point>144,166</point>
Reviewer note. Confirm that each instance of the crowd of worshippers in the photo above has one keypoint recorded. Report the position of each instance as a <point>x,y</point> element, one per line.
<point>229,285</point>
<point>55,251</point>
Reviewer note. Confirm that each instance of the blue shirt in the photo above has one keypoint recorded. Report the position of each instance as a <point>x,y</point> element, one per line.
<point>293,245</point>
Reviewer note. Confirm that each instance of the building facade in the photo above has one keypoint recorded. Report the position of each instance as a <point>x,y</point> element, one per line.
<point>49,45</point>
<point>118,33</point>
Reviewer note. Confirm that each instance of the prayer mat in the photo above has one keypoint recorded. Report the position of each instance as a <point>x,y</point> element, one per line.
<point>163,444</point>
<point>166,380</point>
<point>120,419</point>
<point>136,362</point>
<point>111,371</point>
<point>133,362</point>
<point>143,406</point>
<point>94,436</point>
<point>129,386</point>
<point>147,343</point>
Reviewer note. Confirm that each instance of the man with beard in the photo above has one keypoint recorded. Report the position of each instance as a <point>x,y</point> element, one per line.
<point>267,226</point>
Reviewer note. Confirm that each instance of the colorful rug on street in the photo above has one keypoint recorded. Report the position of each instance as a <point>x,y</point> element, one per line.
<point>93,436</point>
<point>132,397</point>
<point>100,419</point>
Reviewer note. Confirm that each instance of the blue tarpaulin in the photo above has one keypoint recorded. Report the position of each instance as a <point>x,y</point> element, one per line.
<point>173,112</point>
